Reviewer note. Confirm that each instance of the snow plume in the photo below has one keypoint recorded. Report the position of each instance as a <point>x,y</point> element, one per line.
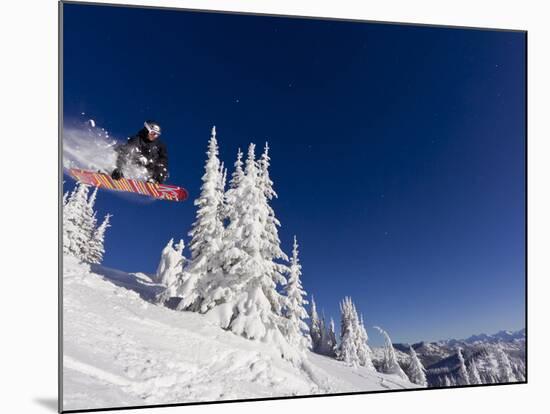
<point>89,147</point>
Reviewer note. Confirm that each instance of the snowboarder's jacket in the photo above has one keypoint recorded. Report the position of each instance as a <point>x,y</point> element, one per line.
<point>151,154</point>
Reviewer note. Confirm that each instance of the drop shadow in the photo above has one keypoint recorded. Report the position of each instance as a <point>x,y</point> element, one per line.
<point>49,403</point>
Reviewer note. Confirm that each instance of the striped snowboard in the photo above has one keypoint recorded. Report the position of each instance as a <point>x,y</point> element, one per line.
<point>158,191</point>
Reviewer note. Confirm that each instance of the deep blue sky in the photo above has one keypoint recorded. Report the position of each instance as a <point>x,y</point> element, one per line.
<point>397,151</point>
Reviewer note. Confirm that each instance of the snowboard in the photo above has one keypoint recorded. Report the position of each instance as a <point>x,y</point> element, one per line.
<point>158,191</point>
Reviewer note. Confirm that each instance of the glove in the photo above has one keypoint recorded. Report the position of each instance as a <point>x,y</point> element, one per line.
<point>160,174</point>
<point>117,174</point>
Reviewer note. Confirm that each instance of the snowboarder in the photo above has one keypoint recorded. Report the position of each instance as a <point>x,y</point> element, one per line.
<point>145,149</point>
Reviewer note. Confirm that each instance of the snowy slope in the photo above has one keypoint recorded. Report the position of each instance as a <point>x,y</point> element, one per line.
<point>120,350</point>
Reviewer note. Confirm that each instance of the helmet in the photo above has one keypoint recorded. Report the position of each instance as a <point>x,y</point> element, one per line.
<point>152,126</point>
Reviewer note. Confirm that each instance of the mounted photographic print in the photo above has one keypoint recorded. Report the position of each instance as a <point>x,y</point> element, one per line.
<point>258,207</point>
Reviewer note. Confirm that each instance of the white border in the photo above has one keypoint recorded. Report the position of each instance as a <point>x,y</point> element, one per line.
<point>29,201</point>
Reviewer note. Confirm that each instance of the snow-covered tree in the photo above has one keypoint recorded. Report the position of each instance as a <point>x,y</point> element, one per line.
<point>96,247</point>
<point>238,173</point>
<point>222,209</point>
<point>315,326</point>
<point>473,372</point>
<point>297,329</point>
<point>353,348</point>
<point>462,377</point>
<point>324,347</point>
<point>270,248</point>
<point>206,233</point>
<point>347,351</point>
<point>332,338</point>
<point>518,368</point>
<point>244,297</point>
<point>389,363</point>
<point>171,263</point>
<point>416,371</point>
<point>489,377</point>
<point>92,199</point>
<point>223,177</point>
<point>81,236</point>
<point>505,372</point>
<point>236,267</point>
<point>323,335</point>
<point>78,223</point>
<point>231,195</point>
<point>264,179</point>
<point>363,349</point>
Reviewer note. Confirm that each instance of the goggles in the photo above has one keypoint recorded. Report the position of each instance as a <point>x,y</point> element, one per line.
<point>152,128</point>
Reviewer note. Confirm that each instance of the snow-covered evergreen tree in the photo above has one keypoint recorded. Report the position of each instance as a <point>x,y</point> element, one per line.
<point>264,179</point>
<point>389,363</point>
<point>324,347</point>
<point>96,246</point>
<point>222,209</point>
<point>270,248</point>
<point>364,352</point>
<point>93,251</point>
<point>473,372</point>
<point>238,173</point>
<point>518,369</point>
<point>332,338</point>
<point>297,330</point>
<point>244,297</point>
<point>347,351</point>
<point>505,372</point>
<point>206,233</point>
<point>92,199</point>
<point>315,326</point>
<point>222,176</point>
<point>493,378</point>
<point>67,222</point>
<point>78,223</point>
<point>353,347</point>
<point>231,197</point>
<point>462,377</point>
<point>416,371</point>
<point>171,263</point>
<point>81,236</point>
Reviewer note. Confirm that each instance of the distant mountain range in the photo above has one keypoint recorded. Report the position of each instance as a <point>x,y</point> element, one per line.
<point>482,352</point>
<point>502,336</point>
